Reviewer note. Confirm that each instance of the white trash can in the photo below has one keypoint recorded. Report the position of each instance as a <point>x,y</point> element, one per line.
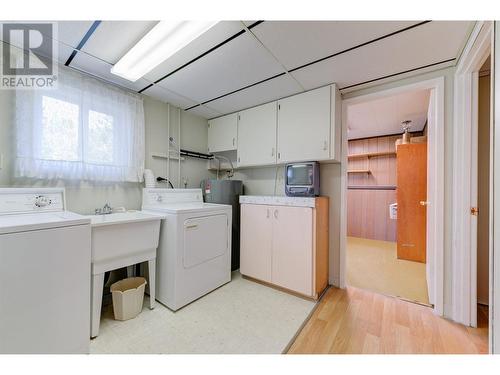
<point>128,296</point>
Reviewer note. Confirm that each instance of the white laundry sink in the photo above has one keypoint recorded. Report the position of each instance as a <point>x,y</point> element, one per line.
<point>121,236</point>
<point>121,240</point>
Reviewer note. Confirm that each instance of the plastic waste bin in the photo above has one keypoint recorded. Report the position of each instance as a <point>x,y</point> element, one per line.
<point>128,296</point>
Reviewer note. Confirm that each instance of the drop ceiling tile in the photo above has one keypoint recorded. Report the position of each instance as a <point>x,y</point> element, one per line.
<point>102,69</point>
<point>248,23</point>
<point>72,32</point>
<point>424,45</point>
<point>241,62</point>
<point>296,43</point>
<point>217,34</point>
<point>168,96</point>
<point>205,112</point>
<point>265,92</point>
<point>113,39</point>
<point>62,50</point>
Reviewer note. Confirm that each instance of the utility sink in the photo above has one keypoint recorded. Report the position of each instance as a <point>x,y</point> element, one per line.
<point>121,236</point>
<point>121,240</point>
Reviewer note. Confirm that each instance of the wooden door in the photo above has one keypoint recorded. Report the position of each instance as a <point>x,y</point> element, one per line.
<point>257,135</point>
<point>412,200</point>
<point>256,241</point>
<point>292,252</point>
<point>304,126</point>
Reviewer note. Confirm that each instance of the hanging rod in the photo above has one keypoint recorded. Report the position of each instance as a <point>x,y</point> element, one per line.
<point>196,154</point>
<point>371,187</point>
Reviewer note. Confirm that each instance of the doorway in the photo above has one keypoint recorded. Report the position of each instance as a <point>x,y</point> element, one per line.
<point>483,194</point>
<point>435,182</point>
<point>387,194</point>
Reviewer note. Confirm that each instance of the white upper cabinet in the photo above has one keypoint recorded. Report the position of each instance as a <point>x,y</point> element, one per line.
<point>257,135</point>
<point>304,126</point>
<point>223,133</point>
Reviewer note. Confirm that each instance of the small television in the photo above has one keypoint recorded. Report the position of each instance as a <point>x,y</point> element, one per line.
<point>302,179</point>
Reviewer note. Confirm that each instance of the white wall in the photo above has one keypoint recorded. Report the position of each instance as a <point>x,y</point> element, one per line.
<point>448,75</point>
<point>84,197</point>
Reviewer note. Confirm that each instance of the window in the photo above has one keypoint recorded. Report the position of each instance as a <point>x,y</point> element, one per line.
<point>59,121</point>
<point>82,130</point>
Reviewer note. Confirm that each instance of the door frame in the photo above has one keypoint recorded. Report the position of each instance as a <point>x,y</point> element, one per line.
<point>465,154</point>
<point>435,180</point>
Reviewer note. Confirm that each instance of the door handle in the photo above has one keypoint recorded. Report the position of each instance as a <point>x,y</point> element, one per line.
<point>275,214</point>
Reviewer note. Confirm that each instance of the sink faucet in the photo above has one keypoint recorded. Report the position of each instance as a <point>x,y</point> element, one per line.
<point>104,211</point>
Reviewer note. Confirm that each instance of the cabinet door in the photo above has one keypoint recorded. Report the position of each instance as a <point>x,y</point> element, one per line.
<point>222,133</point>
<point>292,251</point>
<point>304,126</point>
<point>257,135</point>
<point>255,241</point>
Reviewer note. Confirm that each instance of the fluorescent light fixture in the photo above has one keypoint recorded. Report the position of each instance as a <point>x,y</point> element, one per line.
<point>163,41</point>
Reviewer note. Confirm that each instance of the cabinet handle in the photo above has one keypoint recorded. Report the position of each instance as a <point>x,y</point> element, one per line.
<point>233,141</point>
<point>272,151</point>
<point>325,145</point>
<point>275,214</point>
<point>268,213</point>
<point>192,226</point>
<point>279,155</point>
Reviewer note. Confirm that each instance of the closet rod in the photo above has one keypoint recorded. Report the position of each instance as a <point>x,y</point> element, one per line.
<point>370,187</point>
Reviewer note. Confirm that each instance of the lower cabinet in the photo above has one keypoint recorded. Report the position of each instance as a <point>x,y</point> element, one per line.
<point>286,246</point>
<point>256,238</point>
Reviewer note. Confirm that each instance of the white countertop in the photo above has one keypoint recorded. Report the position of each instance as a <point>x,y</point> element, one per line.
<point>278,200</point>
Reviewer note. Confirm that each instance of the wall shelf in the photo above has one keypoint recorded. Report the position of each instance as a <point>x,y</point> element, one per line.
<point>371,155</point>
<point>359,171</point>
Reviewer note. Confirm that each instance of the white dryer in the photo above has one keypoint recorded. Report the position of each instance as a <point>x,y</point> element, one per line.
<point>194,253</point>
<point>44,274</point>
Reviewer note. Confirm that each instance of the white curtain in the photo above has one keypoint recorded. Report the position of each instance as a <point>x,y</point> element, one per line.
<point>82,130</point>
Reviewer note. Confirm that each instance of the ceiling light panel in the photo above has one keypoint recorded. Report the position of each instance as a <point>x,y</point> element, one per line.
<point>163,41</point>
<point>112,39</point>
<point>101,69</point>
<point>205,42</point>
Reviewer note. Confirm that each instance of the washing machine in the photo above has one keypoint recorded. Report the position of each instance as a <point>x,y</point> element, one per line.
<point>44,274</point>
<point>194,251</point>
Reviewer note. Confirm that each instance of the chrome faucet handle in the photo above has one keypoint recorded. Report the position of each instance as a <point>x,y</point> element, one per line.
<point>107,209</point>
<point>97,211</point>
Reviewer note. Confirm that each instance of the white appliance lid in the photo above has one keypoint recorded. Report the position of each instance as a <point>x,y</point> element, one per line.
<point>38,221</point>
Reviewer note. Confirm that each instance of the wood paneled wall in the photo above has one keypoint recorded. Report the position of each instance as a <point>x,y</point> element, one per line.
<point>368,207</point>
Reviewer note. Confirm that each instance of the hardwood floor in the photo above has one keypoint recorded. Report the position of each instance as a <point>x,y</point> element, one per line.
<point>358,321</point>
